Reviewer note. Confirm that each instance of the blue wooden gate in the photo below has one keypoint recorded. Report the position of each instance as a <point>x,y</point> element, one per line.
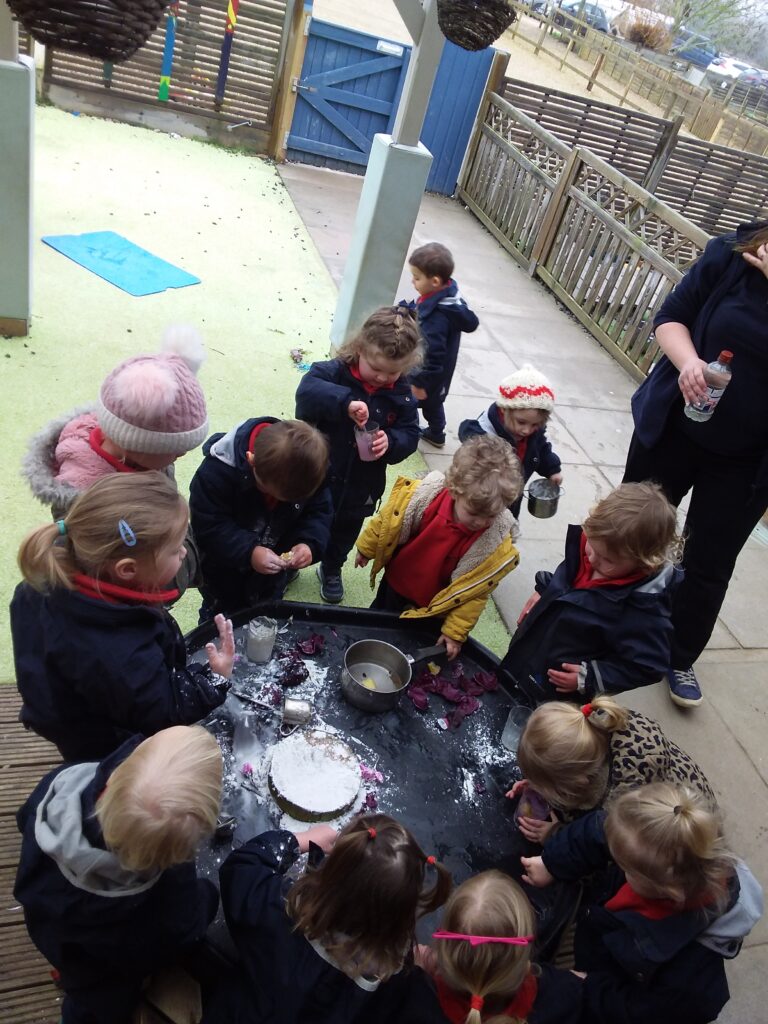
<point>350,87</point>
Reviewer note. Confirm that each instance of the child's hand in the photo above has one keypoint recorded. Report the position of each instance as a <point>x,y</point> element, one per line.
<point>453,647</point>
<point>565,681</point>
<point>361,561</point>
<point>535,873</point>
<point>265,561</point>
<point>358,411</point>
<point>301,557</point>
<point>379,444</point>
<point>535,830</point>
<point>321,835</point>
<point>517,788</point>
<point>222,660</point>
<point>418,393</point>
<point>556,478</point>
<point>530,603</point>
<point>758,259</point>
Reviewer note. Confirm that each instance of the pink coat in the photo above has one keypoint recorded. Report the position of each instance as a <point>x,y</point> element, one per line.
<point>76,463</point>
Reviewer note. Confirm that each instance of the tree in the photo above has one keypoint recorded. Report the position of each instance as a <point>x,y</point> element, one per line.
<point>717,19</point>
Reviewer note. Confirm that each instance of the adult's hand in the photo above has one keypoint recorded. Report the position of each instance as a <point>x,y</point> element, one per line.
<point>691,381</point>
<point>760,260</point>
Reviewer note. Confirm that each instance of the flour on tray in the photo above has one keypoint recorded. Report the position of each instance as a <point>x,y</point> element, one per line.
<point>316,773</point>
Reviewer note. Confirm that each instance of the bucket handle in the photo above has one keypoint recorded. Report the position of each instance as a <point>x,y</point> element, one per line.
<point>538,497</point>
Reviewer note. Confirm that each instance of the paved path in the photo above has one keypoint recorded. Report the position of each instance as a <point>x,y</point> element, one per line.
<point>522,322</point>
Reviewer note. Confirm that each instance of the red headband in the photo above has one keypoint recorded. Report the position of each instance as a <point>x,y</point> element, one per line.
<point>371,833</point>
<point>586,710</point>
<point>476,1002</point>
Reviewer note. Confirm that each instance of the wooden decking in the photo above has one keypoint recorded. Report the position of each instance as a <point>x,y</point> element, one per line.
<point>27,993</point>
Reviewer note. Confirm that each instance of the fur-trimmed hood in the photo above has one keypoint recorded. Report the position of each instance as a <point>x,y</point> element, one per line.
<point>39,465</point>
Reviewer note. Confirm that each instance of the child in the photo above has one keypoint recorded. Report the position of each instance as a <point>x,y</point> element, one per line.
<point>364,383</point>
<point>601,620</point>
<point>107,876</point>
<point>668,905</point>
<point>97,656</point>
<point>577,758</point>
<point>445,542</point>
<point>519,416</point>
<point>260,510</point>
<point>443,316</point>
<point>150,412</point>
<point>481,962</point>
<point>329,947</point>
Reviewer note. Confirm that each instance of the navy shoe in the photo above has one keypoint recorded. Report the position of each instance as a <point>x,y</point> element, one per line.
<point>436,440</point>
<point>684,687</point>
<point>291,575</point>
<point>331,587</point>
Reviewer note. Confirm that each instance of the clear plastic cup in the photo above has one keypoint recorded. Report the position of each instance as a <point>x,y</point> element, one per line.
<point>513,728</point>
<point>260,639</point>
<point>364,437</point>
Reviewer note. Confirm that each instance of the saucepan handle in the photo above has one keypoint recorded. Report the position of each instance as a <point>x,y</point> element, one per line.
<point>436,653</point>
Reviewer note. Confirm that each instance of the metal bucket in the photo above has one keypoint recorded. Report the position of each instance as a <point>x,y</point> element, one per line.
<point>376,674</point>
<point>543,498</point>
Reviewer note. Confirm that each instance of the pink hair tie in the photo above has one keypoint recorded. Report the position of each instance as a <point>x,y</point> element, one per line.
<point>476,1002</point>
<point>478,940</point>
<point>586,710</point>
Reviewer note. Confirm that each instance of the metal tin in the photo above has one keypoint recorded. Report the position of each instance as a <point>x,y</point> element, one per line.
<point>543,498</point>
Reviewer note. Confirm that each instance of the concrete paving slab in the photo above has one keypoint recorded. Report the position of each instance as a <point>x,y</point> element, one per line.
<point>598,385</point>
<point>515,589</point>
<point>583,485</point>
<point>746,980</point>
<point>747,618</point>
<point>604,434</point>
<point>736,690</point>
<point>480,371</point>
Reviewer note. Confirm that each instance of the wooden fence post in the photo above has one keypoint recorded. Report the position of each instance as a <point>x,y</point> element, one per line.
<point>493,85</point>
<point>664,148</point>
<point>595,71</point>
<point>555,207</point>
<point>285,101</point>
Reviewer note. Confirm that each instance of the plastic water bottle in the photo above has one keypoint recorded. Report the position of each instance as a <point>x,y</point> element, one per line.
<point>718,376</point>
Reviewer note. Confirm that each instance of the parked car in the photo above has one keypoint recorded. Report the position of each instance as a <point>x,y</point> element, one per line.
<point>538,6</point>
<point>594,16</point>
<point>727,67</point>
<point>694,47</point>
<point>754,77</point>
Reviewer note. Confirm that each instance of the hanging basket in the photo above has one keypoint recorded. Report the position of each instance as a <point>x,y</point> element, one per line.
<point>474,24</point>
<point>110,31</point>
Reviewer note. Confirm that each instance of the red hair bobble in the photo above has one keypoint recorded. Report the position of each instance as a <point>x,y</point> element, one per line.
<point>431,860</point>
<point>371,833</point>
<point>586,710</point>
<point>476,1003</point>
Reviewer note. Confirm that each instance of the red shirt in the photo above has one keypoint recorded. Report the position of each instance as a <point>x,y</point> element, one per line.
<point>456,1006</point>
<point>583,579</point>
<point>370,389</point>
<point>423,565</point>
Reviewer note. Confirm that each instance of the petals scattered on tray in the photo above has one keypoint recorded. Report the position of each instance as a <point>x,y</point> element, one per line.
<point>293,671</point>
<point>314,644</point>
<point>460,689</point>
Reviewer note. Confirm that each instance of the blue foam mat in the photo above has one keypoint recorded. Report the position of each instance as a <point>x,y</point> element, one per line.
<point>120,262</point>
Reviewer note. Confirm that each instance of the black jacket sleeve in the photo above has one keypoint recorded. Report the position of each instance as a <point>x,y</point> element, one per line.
<point>435,330</point>
<point>578,849</point>
<point>313,527</point>
<point>470,428</point>
<point>212,496</point>
<point>687,298</point>
<point>247,873</point>
<point>639,656</point>
<point>403,435</point>
<point>549,461</point>
<point>320,396</point>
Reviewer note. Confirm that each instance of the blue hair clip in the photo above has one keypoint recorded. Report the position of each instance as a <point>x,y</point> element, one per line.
<point>62,527</point>
<point>127,534</point>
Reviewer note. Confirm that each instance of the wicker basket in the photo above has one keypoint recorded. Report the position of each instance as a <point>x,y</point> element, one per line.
<point>110,31</point>
<point>474,24</point>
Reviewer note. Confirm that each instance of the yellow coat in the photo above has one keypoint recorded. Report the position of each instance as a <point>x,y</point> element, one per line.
<point>478,573</point>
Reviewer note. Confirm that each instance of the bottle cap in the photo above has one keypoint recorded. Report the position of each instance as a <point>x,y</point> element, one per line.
<point>725,356</point>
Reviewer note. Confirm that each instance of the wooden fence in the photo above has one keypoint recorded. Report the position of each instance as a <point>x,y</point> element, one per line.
<point>619,71</point>
<point>714,186</point>
<point>606,247</point>
<point>208,57</point>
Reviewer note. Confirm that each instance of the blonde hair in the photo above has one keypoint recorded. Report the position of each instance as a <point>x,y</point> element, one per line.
<point>491,903</point>
<point>391,331</point>
<point>563,752</point>
<point>485,473</point>
<point>163,799</point>
<point>363,901</point>
<point>91,536</point>
<point>667,837</point>
<point>636,521</point>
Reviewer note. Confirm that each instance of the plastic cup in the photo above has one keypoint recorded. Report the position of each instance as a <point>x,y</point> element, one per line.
<point>513,728</point>
<point>260,639</point>
<point>364,437</point>
<point>531,805</point>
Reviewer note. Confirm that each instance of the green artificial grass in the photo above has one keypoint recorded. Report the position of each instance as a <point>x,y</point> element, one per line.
<point>225,217</point>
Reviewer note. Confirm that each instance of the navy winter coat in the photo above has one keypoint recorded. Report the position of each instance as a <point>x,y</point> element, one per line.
<point>103,928</point>
<point>722,300</point>
<point>286,980</point>
<point>92,673</point>
<point>322,399</point>
<point>230,518</point>
<point>443,317</point>
<point>623,633</point>
<point>667,971</point>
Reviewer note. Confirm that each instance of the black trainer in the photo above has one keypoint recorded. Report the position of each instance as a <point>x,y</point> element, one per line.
<point>436,440</point>
<point>331,587</point>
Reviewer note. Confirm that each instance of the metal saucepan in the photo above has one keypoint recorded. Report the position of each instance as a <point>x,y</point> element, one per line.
<point>376,674</point>
<point>543,497</point>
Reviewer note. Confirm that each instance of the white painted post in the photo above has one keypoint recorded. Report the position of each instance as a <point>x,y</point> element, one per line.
<point>394,184</point>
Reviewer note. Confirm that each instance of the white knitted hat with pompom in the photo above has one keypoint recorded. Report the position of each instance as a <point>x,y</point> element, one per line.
<point>526,389</point>
<point>154,404</point>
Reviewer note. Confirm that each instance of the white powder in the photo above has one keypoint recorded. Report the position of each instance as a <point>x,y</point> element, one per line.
<point>316,772</point>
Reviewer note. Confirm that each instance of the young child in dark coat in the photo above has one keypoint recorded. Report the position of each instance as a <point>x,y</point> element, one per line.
<point>330,948</point>
<point>98,657</point>
<point>260,510</point>
<point>365,383</point>
<point>665,904</point>
<point>519,416</point>
<point>106,877</point>
<point>481,967</point>
<point>601,621</point>
<point>443,317</point>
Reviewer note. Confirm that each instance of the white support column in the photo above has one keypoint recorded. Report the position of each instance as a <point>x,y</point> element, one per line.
<point>17,107</point>
<point>394,184</point>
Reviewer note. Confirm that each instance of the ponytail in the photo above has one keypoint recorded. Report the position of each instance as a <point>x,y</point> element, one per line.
<point>46,559</point>
<point>606,715</point>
